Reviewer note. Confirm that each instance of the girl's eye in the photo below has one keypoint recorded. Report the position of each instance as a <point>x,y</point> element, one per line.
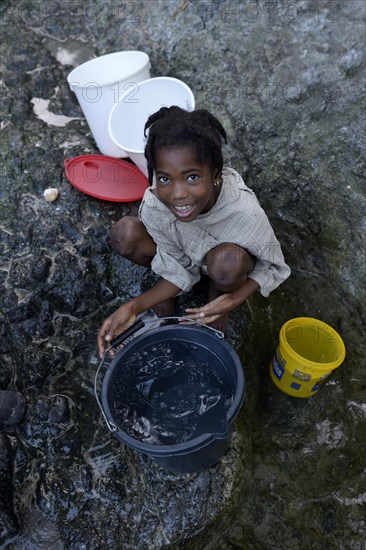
<point>193,177</point>
<point>163,179</point>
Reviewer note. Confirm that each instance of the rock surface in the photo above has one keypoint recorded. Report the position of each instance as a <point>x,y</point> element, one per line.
<point>286,81</point>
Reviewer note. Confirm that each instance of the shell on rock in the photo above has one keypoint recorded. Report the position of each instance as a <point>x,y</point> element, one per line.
<point>50,194</point>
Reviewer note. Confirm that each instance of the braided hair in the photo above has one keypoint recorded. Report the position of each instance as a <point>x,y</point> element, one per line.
<point>172,127</point>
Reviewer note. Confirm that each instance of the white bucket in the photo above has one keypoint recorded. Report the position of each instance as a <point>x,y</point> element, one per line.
<point>100,83</point>
<point>128,117</point>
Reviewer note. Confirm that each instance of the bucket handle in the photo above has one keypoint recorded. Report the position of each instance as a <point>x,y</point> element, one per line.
<point>218,333</point>
<point>111,427</point>
<point>115,342</point>
<point>139,324</point>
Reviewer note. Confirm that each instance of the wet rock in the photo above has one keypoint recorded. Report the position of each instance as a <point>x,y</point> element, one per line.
<point>39,531</point>
<point>60,411</point>
<point>285,80</point>
<point>71,232</point>
<point>12,407</point>
<point>41,267</point>
<point>6,368</point>
<point>42,408</point>
<point>47,420</point>
<point>330,521</point>
<point>55,409</point>
<point>9,524</point>
<point>352,61</point>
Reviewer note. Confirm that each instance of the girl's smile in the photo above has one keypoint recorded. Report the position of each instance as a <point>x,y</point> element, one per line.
<point>185,185</point>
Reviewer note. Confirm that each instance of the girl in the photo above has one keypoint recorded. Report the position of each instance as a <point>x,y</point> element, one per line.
<point>198,217</point>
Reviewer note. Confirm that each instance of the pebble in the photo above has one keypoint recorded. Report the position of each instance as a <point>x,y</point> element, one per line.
<point>50,194</point>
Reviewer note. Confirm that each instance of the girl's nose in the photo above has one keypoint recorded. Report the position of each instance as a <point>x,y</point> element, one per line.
<point>180,190</point>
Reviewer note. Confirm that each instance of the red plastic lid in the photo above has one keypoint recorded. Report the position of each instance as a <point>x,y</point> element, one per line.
<point>106,178</point>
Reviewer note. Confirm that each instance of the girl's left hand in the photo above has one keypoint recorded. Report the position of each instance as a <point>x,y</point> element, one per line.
<point>213,310</point>
<point>224,303</point>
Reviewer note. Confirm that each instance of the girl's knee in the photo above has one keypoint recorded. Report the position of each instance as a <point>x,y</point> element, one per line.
<point>229,265</point>
<point>123,235</point>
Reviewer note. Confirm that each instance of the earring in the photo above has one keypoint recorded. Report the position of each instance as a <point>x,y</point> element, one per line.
<point>217,183</point>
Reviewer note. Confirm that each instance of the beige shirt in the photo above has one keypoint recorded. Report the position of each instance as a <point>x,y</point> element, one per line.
<point>236,217</point>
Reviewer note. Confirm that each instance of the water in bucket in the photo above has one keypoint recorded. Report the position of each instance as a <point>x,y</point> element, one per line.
<point>128,117</point>
<point>100,83</point>
<point>183,368</point>
<point>173,399</point>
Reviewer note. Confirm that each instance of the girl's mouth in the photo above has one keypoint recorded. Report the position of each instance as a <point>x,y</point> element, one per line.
<point>183,211</point>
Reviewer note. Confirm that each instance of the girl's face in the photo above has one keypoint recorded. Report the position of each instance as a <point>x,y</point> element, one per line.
<point>183,184</point>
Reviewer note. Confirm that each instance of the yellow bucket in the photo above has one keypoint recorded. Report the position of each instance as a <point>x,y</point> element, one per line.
<point>308,351</point>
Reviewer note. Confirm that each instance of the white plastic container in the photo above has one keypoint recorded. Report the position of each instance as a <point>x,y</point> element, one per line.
<point>100,83</point>
<point>128,117</point>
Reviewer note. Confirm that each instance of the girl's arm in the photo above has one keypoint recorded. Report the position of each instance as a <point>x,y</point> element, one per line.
<point>224,303</point>
<point>126,315</point>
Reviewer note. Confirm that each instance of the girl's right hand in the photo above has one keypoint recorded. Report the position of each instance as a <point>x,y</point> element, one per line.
<point>116,323</point>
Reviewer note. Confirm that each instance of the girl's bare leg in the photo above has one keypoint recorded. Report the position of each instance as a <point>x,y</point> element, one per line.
<point>228,266</point>
<point>130,239</point>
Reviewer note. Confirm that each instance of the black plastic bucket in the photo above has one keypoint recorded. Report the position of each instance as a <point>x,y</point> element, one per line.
<point>185,342</point>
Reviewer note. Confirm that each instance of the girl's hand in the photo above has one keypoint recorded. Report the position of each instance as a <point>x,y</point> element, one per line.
<point>126,315</point>
<point>224,303</point>
<point>116,323</point>
<point>213,310</point>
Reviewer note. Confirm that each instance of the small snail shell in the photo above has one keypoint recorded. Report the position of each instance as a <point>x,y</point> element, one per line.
<point>50,194</point>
